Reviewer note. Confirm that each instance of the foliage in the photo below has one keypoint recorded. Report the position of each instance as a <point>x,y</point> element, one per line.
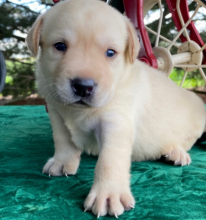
<point>15,21</point>
<point>193,80</point>
<point>20,79</point>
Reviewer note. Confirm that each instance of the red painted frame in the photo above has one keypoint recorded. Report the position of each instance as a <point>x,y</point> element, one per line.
<point>134,10</point>
<point>194,35</point>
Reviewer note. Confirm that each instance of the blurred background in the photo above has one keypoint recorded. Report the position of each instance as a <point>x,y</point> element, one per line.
<point>17,17</point>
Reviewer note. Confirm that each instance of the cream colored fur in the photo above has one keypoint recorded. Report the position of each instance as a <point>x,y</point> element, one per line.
<point>136,113</point>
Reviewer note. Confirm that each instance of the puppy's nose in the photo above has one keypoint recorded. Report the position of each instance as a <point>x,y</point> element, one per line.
<point>82,87</point>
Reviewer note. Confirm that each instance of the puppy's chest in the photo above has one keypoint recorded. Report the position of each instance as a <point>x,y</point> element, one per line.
<point>84,136</point>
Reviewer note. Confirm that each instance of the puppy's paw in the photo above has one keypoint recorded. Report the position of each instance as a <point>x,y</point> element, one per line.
<point>109,200</point>
<point>55,167</point>
<point>179,156</point>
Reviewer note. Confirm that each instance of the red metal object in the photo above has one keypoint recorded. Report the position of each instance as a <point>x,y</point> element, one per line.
<point>134,11</point>
<point>56,1</point>
<point>194,35</point>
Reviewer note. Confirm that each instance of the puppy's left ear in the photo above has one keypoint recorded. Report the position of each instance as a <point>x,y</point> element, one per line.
<point>33,37</point>
<point>133,45</point>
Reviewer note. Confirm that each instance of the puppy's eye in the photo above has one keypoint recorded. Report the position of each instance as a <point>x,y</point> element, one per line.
<point>60,46</point>
<point>110,53</point>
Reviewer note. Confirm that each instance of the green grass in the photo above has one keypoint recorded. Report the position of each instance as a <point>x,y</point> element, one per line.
<point>193,79</point>
<point>20,78</point>
<point>9,67</point>
<point>9,79</point>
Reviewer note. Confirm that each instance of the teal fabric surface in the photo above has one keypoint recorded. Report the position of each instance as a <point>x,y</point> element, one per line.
<point>162,191</point>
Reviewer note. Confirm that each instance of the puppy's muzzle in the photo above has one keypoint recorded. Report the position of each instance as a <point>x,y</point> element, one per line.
<point>82,87</point>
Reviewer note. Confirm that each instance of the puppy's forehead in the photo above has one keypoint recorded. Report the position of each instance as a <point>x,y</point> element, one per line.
<point>74,18</point>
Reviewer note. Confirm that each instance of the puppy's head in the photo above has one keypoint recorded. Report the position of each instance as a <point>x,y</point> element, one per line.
<point>84,47</point>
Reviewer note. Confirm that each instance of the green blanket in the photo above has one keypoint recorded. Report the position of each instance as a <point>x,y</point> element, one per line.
<point>162,191</point>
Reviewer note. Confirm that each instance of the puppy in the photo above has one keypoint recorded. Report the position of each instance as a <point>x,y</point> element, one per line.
<point>104,101</point>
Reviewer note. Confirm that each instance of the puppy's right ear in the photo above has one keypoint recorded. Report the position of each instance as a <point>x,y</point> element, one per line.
<point>33,37</point>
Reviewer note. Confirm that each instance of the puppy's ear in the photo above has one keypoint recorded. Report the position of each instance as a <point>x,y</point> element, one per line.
<point>33,37</point>
<point>133,45</point>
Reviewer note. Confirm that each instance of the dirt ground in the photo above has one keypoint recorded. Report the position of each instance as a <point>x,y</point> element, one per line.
<point>28,101</point>
<point>203,96</point>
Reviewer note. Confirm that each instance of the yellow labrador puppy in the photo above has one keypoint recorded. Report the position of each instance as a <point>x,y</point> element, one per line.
<point>104,101</point>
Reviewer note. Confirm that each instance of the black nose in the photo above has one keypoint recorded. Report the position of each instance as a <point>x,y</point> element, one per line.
<point>82,87</point>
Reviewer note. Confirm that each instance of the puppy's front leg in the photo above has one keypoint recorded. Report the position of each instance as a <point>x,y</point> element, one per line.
<point>67,156</point>
<point>110,192</point>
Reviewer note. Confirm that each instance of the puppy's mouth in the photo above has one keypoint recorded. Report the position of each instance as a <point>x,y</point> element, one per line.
<point>81,103</point>
<point>77,103</point>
